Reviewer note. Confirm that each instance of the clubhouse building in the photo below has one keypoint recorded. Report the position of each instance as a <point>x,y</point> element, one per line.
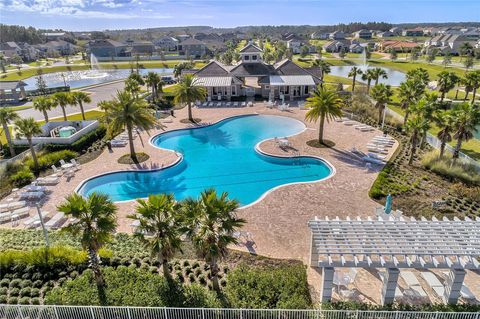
<point>252,77</point>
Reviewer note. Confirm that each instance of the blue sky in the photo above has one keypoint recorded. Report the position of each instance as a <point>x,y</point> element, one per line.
<point>78,15</point>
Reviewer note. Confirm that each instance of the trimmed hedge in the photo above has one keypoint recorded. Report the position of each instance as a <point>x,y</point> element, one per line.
<point>82,143</point>
<point>268,288</point>
<point>46,161</point>
<point>128,286</point>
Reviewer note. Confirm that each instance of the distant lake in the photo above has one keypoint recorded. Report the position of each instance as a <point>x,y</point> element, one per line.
<point>394,77</point>
<point>76,79</point>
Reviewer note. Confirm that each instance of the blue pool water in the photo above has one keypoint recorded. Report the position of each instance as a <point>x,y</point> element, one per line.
<point>221,156</point>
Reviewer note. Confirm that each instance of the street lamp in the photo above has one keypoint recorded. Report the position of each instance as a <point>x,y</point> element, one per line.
<point>63,77</point>
<point>45,233</point>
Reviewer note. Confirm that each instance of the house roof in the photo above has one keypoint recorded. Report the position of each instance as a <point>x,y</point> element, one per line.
<point>191,41</point>
<point>251,48</point>
<point>280,80</point>
<point>105,43</point>
<point>214,68</point>
<point>10,45</point>
<point>253,69</point>
<point>11,85</point>
<point>287,67</point>
<point>215,81</point>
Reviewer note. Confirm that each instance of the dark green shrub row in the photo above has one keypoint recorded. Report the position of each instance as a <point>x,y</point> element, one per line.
<point>131,286</point>
<point>269,287</point>
<point>379,188</point>
<point>351,305</point>
<point>46,161</point>
<point>82,143</point>
<point>22,177</point>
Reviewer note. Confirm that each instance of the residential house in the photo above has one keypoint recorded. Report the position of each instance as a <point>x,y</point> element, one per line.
<point>182,37</point>
<point>9,49</point>
<point>253,77</point>
<point>166,43</point>
<point>397,46</point>
<point>319,35</point>
<point>416,32</point>
<point>12,91</point>
<point>192,48</point>
<point>471,33</point>
<point>142,48</point>
<point>363,34</point>
<point>447,43</point>
<point>386,34</point>
<point>53,36</point>
<point>294,44</point>
<point>396,31</point>
<point>336,46</point>
<point>477,45</point>
<point>107,48</point>
<point>59,47</point>
<point>336,35</point>
<point>355,48</point>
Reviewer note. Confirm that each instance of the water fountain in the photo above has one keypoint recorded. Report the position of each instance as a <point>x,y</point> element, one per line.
<point>94,72</point>
<point>364,65</point>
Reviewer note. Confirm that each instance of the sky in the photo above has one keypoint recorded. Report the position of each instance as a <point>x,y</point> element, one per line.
<point>89,15</point>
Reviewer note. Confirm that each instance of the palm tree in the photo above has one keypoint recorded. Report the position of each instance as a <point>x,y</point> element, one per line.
<point>382,94</point>
<point>419,74</point>
<point>213,222</point>
<point>409,93</point>
<point>159,218</point>
<point>6,117</point>
<point>378,73</point>
<point>63,99</point>
<point>132,86</point>
<point>28,128</point>
<point>152,80</point>
<point>445,121</point>
<point>446,82</point>
<point>354,72</point>
<point>368,76</point>
<point>323,66</point>
<point>94,221</point>
<point>414,126</point>
<point>106,107</point>
<point>323,105</point>
<point>128,111</point>
<point>467,118</point>
<point>187,92</point>
<point>472,83</point>
<point>43,104</point>
<point>80,98</point>
<point>426,108</point>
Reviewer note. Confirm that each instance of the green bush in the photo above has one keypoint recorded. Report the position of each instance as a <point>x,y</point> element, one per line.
<point>446,167</point>
<point>270,287</point>
<point>128,286</point>
<point>82,144</point>
<point>3,299</point>
<point>57,257</point>
<point>22,177</point>
<point>46,161</point>
<point>197,296</point>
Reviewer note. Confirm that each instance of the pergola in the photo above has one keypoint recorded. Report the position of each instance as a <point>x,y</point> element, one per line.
<point>394,244</point>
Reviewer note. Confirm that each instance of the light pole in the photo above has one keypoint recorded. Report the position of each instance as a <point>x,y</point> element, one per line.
<point>383,119</point>
<point>45,233</point>
<point>63,77</point>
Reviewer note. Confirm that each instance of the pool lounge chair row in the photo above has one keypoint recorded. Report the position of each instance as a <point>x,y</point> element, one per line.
<point>222,104</point>
<point>14,215</point>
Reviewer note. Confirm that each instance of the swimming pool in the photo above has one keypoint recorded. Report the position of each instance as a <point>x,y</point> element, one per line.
<point>223,156</point>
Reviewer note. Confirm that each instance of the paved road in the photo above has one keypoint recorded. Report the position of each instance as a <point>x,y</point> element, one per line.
<point>99,93</point>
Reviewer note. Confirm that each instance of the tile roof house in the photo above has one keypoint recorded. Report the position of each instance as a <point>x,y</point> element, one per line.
<point>398,46</point>
<point>253,77</point>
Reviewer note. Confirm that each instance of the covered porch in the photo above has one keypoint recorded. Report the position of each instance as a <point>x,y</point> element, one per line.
<point>221,88</point>
<point>288,87</point>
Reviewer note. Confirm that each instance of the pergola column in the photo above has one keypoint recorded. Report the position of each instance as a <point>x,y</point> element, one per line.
<point>327,284</point>
<point>389,285</point>
<point>454,285</point>
<point>314,257</point>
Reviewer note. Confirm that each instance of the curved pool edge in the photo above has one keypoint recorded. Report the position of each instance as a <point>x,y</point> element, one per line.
<point>256,148</point>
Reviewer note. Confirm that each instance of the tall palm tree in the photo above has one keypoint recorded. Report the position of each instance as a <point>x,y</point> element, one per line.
<point>128,111</point>
<point>467,118</point>
<point>63,99</point>
<point>79,98</point>
<point>415,126</point>
<point>472,83</point>
<point>43,104</point>
<point>323,66</point>
<point>409,93</point>
<point>94,222</point>
<point>419,74</point>
<point>425,109</point>
<point>446,82</point>
<point>8,116</point>
<point>28,128</point>
<point>382,94</point>
<point>354,72</point>
<point>445,121</point>
<point>152,80</point>
<point>159,217</point>
<point>323,105</point>
<point>378,73</point>
<point>188,92</point>
<point>213,222</point>
<point>368,76</point>
<point>132,86</point>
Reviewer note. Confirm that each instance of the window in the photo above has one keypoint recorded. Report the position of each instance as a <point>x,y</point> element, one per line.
<point>306,89</point>
<point>246,58</point>
<point>234,90</point>
<point>254,57</point>
<point>267,87</point>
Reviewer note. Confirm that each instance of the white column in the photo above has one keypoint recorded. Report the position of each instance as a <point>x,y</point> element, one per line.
<point>453,285</point>
<point>327,284</point>
<point>313,252</point>
<point>389,285</point>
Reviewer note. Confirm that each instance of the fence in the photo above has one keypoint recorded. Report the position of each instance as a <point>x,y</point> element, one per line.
<point>94,312</point>
<point>19,157</point>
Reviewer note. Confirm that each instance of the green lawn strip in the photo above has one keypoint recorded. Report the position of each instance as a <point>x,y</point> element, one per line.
<point>404,66</point>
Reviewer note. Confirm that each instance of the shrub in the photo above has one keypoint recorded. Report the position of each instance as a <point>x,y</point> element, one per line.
<point>3,299</point>
<point>35,292</point>
<point>35,301</point>
<point>25,283</point>
<point>25,292</point>
<point>15,283</point>
<point>3,291</point>
<point>58,257</point>
<point>4,282</point>
<point>270,287</point>
<point>14,292</point>
<point>24,301</point>
<point>22,177</point>
<point>13,300</point>
<point>446,167</point>
<point>82,143</point>
<point>197,296</point>
<point>46,161</point>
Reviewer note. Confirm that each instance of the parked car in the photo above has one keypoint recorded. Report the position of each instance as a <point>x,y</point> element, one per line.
<point>168,80</point>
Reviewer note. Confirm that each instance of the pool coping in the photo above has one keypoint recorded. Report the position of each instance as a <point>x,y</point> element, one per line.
<point>180,158</point>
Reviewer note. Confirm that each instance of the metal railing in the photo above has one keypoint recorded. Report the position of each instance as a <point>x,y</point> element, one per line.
<point>96,312</point>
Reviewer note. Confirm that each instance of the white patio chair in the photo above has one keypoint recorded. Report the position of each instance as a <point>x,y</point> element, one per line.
<point>75,164</point>
<point>57,171</point>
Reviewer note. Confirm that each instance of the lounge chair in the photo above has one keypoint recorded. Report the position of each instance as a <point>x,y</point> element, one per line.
<point>349,123</point>
<point>57,171</point>
<point>219,104</point>
<point>228,104</point>
<point>31,222</point>
<point>376,156</point>
<point>34,188</point>
<point>45,181</point>
<point>69,173</point>
<point>57,221</point>
<point>19,214</point>
<point>373,160</point>
<point>118,143</point>
<point>32,195</point>
<point>75,163</point>
<point>244,104</point>
<point>5,217</point>
<point>12,205</point>
<point>235,104</point>
<point>62,162</point>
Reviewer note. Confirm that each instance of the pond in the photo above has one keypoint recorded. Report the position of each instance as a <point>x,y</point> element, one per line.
<point>83,78</point>
<point>394,77</point>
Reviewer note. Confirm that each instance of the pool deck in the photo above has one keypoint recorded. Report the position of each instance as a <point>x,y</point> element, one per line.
<point>277,223</point>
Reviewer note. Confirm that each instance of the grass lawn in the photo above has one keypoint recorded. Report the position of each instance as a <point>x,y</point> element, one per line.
<point>403,66</point>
